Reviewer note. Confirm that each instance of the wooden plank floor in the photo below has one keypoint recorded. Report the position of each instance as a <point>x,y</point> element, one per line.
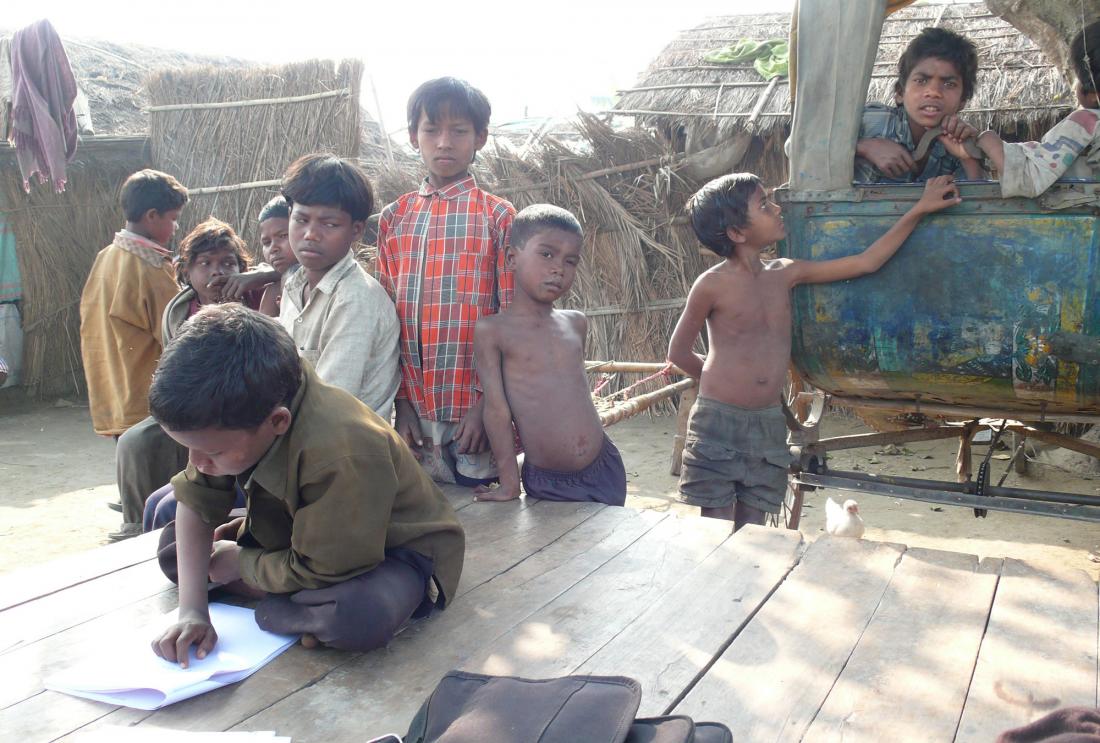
<point>835,640</point>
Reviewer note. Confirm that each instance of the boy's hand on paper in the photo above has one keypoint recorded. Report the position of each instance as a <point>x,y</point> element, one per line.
<point>225,562</point>
<point>889,157</point>
<point>939,193</point>
<point>192,629</point>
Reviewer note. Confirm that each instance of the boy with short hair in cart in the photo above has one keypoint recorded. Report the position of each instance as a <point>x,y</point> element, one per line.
<point>735,455</point>
<point>530,360</point>
<point>345,537</point>
<point>937,74</point>
<point>441,256</point>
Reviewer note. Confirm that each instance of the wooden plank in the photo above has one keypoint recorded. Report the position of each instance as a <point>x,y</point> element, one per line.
<point>531,528</point>
<point>908,675</point>
<point>565,633</point>
<point>379,692</point>
<point>41,580</point>
<point>667,647</point>
<point>779,669</point>
<point>47,615</point>
<point>1039,651</point>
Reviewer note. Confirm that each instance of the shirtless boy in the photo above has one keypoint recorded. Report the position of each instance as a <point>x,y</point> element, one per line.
<point>530,360</point>
<point>735,457</point>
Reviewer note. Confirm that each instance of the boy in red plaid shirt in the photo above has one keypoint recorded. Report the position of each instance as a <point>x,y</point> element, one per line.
<point>441,257</point>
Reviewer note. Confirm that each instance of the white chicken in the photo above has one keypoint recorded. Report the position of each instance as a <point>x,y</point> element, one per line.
<point>843,521</point>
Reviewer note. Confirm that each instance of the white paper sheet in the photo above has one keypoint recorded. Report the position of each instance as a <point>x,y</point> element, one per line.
<point>126,672</point>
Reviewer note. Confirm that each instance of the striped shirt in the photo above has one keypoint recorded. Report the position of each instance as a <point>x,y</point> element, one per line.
<point>891,122</point>
<point>441,258</point>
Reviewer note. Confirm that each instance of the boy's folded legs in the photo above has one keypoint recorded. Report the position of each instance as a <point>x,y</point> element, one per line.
<point>360,614</point>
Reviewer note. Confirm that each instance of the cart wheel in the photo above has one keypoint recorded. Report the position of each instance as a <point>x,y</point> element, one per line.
<point>790,513</point>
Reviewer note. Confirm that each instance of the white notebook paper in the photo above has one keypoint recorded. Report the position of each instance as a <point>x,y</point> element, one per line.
<point>125,671</point>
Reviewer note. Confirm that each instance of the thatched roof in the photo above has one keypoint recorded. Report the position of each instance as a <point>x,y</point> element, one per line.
<point>111,76</point>
<point>1017,87</point>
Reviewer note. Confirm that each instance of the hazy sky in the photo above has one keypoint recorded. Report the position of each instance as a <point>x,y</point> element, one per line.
<point>544,57</point>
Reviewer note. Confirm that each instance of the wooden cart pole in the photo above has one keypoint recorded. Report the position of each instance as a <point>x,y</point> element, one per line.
<point>687,399</point>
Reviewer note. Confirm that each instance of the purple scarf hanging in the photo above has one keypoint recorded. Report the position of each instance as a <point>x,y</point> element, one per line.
<point>43,91</point>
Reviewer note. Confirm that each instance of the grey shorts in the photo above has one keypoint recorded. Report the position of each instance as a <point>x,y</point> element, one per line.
<point>735,454</point>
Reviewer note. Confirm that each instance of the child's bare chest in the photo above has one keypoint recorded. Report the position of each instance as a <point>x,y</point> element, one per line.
<point>752,305</point>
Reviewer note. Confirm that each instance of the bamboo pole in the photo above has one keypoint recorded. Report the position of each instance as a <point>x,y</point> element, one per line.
<point>381,121</point>
<point>594,174</point>
<point>739,115</point>
<point>234,187</point>
<point>254,102</point>
<point>641,403</point>
<point>632,367</point>
<point>655,306</point>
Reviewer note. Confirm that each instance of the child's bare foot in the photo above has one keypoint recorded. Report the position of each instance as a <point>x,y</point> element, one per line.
<point>495,493</point>
<point>310,641</point>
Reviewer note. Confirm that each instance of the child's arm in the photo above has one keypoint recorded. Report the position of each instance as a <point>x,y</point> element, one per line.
<point>194,539</point>
<point>889,157</point>
<point>405,422</point>
<point>994,148</point>
<point>680,349</point>
<point>498,415</point>
<point>939,193</point>
<point>1030,168</point>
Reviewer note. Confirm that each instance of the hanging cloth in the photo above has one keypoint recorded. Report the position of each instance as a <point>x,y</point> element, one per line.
<point>769,58</point>
<point>43,90</point>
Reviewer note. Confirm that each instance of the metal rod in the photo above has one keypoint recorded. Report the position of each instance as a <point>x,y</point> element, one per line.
<point>966,500</point>
<point>967,488</point>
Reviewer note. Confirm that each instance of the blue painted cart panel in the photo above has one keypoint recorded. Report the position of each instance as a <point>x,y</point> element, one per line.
<point>991,303</point>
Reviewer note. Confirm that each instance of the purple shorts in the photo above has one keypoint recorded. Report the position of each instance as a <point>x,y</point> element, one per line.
<point>603,481</point>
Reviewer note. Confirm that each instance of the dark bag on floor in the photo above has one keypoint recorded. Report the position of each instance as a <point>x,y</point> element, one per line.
<point>472,708</point>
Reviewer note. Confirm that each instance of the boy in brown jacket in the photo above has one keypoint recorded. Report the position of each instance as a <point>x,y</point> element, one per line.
<point>130,284</point>
<point>345,536</point>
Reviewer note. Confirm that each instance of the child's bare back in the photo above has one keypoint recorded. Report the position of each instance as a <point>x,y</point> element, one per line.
<point>542,366</point>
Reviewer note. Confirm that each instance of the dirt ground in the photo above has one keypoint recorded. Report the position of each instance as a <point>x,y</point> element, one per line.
<point>56,477</point>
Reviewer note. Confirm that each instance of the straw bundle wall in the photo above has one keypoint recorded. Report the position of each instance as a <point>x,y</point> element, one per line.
<point>209,147</point>
<point>57,238</point>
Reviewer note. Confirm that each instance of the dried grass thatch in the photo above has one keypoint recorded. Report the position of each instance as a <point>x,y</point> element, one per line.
<point>1019,93</point>
<point>58,236</point>
<point>211,147</point>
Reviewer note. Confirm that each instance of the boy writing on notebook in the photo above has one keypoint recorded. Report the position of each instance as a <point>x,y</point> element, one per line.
<point>441,258</point>
<point>530,360</point>
<point>344,537</point>
<point>735,456</point>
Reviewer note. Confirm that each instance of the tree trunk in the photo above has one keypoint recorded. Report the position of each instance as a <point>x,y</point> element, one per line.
<point>1051,24</point>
